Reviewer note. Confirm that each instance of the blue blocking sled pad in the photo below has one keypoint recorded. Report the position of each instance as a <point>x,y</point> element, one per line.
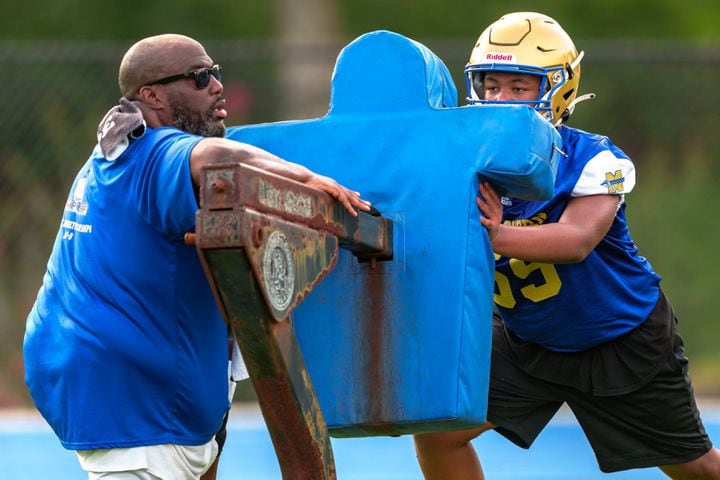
<point>403,346</point>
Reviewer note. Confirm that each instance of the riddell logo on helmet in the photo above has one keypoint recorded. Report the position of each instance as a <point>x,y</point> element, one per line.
<point>500,57</point>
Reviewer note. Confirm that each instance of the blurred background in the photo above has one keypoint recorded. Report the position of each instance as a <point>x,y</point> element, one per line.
<point>654,65</point>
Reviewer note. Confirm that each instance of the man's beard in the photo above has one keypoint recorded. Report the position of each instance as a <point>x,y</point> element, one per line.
<point>197,123</point>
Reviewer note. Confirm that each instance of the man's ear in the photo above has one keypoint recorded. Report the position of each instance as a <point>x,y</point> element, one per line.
<point>150,97</point>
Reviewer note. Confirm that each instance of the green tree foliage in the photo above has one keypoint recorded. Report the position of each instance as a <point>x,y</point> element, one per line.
<point>587,19</point>
<point>253,19</point>
<point>88,20</point>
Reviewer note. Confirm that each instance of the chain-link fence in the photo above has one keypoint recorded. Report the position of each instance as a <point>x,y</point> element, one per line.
<point>658,101</point>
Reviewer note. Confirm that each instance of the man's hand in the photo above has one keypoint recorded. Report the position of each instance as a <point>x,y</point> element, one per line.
<point>350,199</point>
<point>491,207</point>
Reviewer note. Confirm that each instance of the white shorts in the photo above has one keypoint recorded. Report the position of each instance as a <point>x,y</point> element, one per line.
<point>154,462</point>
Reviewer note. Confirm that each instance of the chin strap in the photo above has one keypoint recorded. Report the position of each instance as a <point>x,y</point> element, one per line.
<point>570,108</point>
<point>581,98</point>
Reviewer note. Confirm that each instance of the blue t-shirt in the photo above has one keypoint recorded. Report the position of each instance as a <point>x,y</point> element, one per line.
<point>125,345</point>
<point>572,307</point>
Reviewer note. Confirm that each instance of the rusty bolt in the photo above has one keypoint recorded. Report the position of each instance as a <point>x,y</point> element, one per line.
<point>219,185</point>
<point>257,236</point>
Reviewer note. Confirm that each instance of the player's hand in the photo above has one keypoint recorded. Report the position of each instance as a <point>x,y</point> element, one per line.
<point>488,201</point>
<point>350,199</point>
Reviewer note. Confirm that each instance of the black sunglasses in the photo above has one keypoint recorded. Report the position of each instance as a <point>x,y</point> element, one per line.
<point>201,77</point>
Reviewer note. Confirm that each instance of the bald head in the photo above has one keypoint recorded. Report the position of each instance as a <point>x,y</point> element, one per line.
<point>157,57</point>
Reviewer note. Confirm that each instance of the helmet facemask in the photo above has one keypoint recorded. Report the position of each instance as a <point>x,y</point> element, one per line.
<point>475,75</point>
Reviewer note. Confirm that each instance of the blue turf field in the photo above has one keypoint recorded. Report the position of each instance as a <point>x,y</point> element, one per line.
<point>30,451</point>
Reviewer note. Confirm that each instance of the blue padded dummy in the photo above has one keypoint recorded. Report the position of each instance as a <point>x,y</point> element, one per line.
<point>403,346</point>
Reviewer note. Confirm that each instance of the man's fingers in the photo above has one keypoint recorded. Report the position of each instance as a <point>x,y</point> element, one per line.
<point>362,204</point>
<point>348,205</point>
<point>350,199</point>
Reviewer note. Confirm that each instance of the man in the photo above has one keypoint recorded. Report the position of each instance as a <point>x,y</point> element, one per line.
<point>582,319</point>
<point>125,349</point>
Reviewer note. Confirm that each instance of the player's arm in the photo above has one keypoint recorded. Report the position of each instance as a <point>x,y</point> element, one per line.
<point>220,150</point>
<point>585,221</point>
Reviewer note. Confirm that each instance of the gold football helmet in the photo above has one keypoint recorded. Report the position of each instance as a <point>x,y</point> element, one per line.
<point>531,43</point>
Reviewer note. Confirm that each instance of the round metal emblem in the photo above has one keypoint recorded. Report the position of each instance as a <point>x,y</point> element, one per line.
<point>278,271</point>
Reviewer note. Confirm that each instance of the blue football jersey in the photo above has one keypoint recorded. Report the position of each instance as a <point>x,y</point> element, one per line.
<point>125,345</point>
<point>572,307</point>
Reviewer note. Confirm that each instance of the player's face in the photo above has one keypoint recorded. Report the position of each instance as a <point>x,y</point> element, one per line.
<point>506,86</point>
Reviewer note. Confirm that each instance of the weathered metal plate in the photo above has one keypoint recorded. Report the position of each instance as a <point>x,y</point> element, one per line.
<point>230,185</point>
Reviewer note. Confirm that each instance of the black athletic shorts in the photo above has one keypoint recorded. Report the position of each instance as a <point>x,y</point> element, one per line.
<point>653,422</point>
